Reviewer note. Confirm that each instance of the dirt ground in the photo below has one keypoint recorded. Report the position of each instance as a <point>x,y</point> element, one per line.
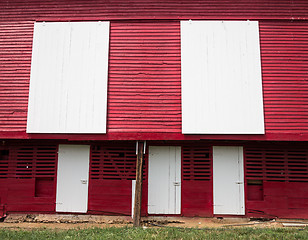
<point>62,221</point>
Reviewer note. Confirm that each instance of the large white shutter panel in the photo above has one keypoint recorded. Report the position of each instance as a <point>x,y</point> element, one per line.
<point>68,83</point>
<point>221,78</point>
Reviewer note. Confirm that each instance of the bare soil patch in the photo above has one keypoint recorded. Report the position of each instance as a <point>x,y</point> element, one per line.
<point>68,221</point>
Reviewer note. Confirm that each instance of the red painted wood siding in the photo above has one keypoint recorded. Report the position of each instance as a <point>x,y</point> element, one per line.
<point>280,164</point>
<point>284,53</point>
<point>25,186</point>
<point>281,199</point>
<point>15,59</point>
<point>112,169</point>
<point>28,178</point>
<point>149,9</point>
<point>276,181</point>
<point>144,68</point>
<point>197,181</point>
<point>144,77</point>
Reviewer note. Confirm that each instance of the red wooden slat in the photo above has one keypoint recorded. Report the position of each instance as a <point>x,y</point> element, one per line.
<point>196,163</point>
<point>114,163</point>
<point>197,198</point>
<point>280,164</point>
<point>32,161</point>
<point>197,182</point>
<point>280,199</point>
<point>284,67</point>
<point>4,163</point>
<point>15,58</point>
<point>144,77</point>
<point>147,9</point>
<point>29,174</point>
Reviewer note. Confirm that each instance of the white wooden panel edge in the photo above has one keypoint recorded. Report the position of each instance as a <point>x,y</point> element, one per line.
<point>221,78</point>
<point>68,81</point>
<point>133,197</point>
<point>242,181</point>
<point>178,182</point>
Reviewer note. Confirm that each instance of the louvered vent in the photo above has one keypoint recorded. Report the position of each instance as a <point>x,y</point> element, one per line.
<point>4,163</point>
<point>35,161</point>
<point>117,163</point>
<point>197,163</point>
<point>279,164</point>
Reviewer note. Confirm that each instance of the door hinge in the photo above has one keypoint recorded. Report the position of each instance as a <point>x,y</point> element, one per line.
<point>176,184</point>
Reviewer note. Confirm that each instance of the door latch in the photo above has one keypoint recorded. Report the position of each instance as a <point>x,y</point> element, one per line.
<point>176,184</point>
<point>83,181</point>
<point>239,182</point>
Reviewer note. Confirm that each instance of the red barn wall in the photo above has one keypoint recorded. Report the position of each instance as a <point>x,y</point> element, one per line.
<point>197,180</point>
<point>276,181</point>
<point>144,91</point>
<point>144,76</point>
<point>284,51</point>
<point>144,63</point>
<point>28,178</point>
<point>148,9</point>
<point>276,178</point>
<point>112,169</point>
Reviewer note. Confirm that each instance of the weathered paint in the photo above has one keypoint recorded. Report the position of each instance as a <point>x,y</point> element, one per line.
<point>282,197</point>
<point>144,91</point>
<point>283,72</point>
<point>112,169</point>
<point>283,39</point>
<point>27,178</point>
<point>25,10</point>
<point>284,51</point>
<point>277,180</point>
<point>282,200</point>
<point>221,78</point>
<point>197,180</point>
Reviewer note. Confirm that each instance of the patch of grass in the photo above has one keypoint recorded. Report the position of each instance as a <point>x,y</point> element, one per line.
<point>156,233</point>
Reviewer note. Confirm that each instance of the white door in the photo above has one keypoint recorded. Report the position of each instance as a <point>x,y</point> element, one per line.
<point>164,189</point>
<point>228,180</point>
<point>72,178</point>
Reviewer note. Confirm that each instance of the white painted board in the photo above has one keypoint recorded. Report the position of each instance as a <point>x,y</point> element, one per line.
<point>73,178</point>
<point>221,78</point>
<point>68,82</point>
<point>228,180</point>
<point>133,197</point>
<point>164,189</point>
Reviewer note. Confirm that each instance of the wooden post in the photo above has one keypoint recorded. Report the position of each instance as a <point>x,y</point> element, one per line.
<point>138,188</point>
